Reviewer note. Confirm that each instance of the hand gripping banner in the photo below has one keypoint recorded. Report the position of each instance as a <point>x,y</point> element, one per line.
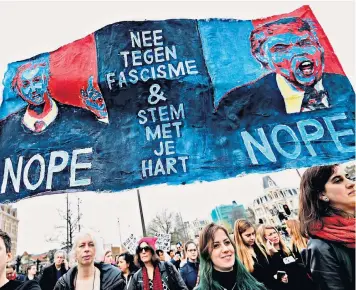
<point>174,101</point>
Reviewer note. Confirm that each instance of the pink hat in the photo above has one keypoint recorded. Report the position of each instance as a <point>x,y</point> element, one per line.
<point>151,241</point>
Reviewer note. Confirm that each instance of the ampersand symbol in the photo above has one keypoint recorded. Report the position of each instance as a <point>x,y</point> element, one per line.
<point>155,95</point>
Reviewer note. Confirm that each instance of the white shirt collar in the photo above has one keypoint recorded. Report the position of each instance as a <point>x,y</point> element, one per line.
<point>30,121</point>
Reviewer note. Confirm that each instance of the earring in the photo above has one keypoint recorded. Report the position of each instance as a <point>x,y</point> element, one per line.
<point>326,199</point>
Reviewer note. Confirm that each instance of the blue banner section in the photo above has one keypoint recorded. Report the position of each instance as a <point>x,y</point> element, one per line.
<point>227,51</point>
<point>174,101</point>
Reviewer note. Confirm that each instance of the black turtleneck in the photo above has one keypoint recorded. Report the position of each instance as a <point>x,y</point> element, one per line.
<point>225,279</point>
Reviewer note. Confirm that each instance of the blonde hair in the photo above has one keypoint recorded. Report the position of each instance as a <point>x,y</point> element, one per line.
<point>297,239</point>
<point>261,239</point>
<point>243,252</point>
<point>98,245</point>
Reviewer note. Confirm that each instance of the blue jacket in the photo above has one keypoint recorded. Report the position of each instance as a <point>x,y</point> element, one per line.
<point>189,273</point>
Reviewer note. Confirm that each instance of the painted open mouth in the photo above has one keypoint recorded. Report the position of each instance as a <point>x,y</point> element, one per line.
<point>307,68</point>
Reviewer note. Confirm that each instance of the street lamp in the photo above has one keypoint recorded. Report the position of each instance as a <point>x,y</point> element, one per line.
<point>118,221</point>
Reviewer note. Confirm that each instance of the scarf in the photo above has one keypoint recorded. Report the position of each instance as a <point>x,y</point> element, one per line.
<point>157,282</point>
<point>336,229</point>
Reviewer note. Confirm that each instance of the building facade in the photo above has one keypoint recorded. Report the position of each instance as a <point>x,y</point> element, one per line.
<point>9,223</point>
<point>227,214</point>
<point>276,203</point>
<point>193,228</point>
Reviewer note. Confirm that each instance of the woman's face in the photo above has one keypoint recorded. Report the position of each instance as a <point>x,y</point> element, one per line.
<point>223,253</point>
<point>289,231</point>
<point>272,236</point>
<point>145,253</point>
<point>123,265</point>
<point>85,251</point>
<point>108,258</point>
<point>192,252</point>
<point>249,237</point>
<point>340,191</point>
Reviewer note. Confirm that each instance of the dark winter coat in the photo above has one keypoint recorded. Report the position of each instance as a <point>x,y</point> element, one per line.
<point>109,275</point>
<point>332,265</point>
<point>49,277</point>
<point>189,273</point>
<point>124,283</point>
<point>19,285</point>
<point>169,275</point>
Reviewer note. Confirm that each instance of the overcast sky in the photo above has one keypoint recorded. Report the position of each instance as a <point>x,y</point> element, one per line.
<point>29,28</point>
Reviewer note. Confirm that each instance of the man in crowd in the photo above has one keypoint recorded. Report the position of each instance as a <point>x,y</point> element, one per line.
<point>5,257</point>
<point>52,273</point>
<point>160,254</point>
<point>177,257</point>
<point>12,275</point>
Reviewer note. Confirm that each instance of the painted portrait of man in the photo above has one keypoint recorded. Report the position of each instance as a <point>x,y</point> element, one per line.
<point>31,84</point>
<point>290,50</point>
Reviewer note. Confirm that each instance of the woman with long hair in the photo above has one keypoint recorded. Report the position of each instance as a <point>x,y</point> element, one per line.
<point>283,265</point>
<point>88,274</point>
<point>298,242</point>
<point>128,269</point>
<point>189,271</point>
<point>219,265</point>
<point>249,253</point>
<point>327,218</point>
<point>154,274</point>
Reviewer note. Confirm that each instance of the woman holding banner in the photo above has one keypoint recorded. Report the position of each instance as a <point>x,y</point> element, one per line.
<point>327,217</point>
<point>154,274</point>
<point>219,265</point>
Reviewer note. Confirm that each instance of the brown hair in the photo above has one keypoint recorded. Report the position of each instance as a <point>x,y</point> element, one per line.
<point>244,280</point>
<point>311,207</point>
<point>262,239</point>
<point>243,252</point>
<point>297,239</point>
<point>206,240</point>
<point>154,260</point>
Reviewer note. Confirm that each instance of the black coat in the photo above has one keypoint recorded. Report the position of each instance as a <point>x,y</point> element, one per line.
<point>109,275</point>
<point>169,275</point>
<point>262,272</point>
<point>49,277</point>
<point>19,285</point>
<point>124,283</point>
<point>297,274</point>
<point>332,265</point>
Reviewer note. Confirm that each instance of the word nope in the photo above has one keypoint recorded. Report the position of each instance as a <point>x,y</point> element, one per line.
<point>58,161</point>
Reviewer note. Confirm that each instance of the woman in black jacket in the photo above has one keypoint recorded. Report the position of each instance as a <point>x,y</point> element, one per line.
<point>154,274</point>
<point>283,266</point>
<point>250,255</point>
<point>87,275</point>
<point>327,217</point>
<point>128,269</point>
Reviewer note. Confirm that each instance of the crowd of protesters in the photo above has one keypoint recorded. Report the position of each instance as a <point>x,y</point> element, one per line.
<point>318,254</point>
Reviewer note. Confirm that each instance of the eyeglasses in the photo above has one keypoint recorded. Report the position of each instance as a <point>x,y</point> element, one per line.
<point>145,248</point>
<point>192,250</point>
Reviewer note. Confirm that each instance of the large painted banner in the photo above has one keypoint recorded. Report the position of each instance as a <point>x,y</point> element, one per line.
<point>174,101</point>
